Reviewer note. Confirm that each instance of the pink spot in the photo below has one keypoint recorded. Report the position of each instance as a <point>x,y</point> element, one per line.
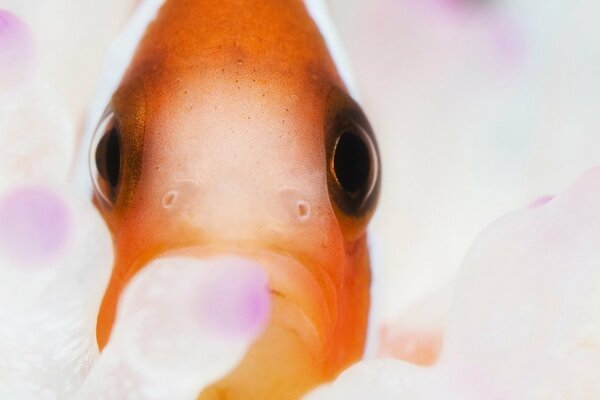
<point>17,51</point>
<point>454,7</point>
<point>236,301</point>
<point>540,201</point>
<point>445,9</point>
<point>506,40</point>
<point>34,226</point>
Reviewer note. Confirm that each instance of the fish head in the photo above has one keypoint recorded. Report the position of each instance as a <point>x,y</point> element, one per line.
<point>211,151</point>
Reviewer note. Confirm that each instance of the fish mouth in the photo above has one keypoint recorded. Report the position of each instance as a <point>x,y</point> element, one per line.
<point>304,300</point>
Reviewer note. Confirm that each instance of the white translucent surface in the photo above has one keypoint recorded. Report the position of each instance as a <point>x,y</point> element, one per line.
<point>527,298</point>
<point>37,136</point>
<point>48,304</point>
<point>164,344</point>
<point>71,39</point>
<point>17,52</point>
<point>387,379</point>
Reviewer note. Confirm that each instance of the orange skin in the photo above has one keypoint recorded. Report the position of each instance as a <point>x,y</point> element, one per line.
<point>227,118</point>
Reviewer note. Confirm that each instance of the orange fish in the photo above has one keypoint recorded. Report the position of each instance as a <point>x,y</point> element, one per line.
<point>232,133</point>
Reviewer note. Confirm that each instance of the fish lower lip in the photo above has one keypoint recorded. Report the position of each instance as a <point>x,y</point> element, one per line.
<point>296,320</point>
<point>306,296</point>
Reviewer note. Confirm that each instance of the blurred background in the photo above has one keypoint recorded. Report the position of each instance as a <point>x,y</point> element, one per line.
<point>480,107</point>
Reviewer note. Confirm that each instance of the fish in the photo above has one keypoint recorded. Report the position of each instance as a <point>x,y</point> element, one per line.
<point>233,134</point>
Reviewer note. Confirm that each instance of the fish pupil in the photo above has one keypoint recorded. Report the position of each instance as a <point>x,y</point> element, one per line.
<point>352,162</point>
<point>108,157</point>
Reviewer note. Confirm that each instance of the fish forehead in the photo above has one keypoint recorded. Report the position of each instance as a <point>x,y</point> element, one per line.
<point>277,33</point>
<point>233,118</point>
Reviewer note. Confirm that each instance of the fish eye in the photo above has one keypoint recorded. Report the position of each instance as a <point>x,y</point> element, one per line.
<point>105,158</point>
<point>354,168</point>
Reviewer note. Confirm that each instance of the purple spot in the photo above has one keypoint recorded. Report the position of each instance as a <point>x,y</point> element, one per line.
<point>236,301</point>
<point>34,226</point>
<point>540,201</point>
<point>17,51</point>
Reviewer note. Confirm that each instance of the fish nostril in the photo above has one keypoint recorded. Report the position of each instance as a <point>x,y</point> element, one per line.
<point>295,205</point>
<point>182,197</point>
<point>303,210</point>
<point>169,198</point>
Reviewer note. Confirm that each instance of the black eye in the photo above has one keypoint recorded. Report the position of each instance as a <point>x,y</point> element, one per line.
<point>352,163</point>
<point>106,158</point>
